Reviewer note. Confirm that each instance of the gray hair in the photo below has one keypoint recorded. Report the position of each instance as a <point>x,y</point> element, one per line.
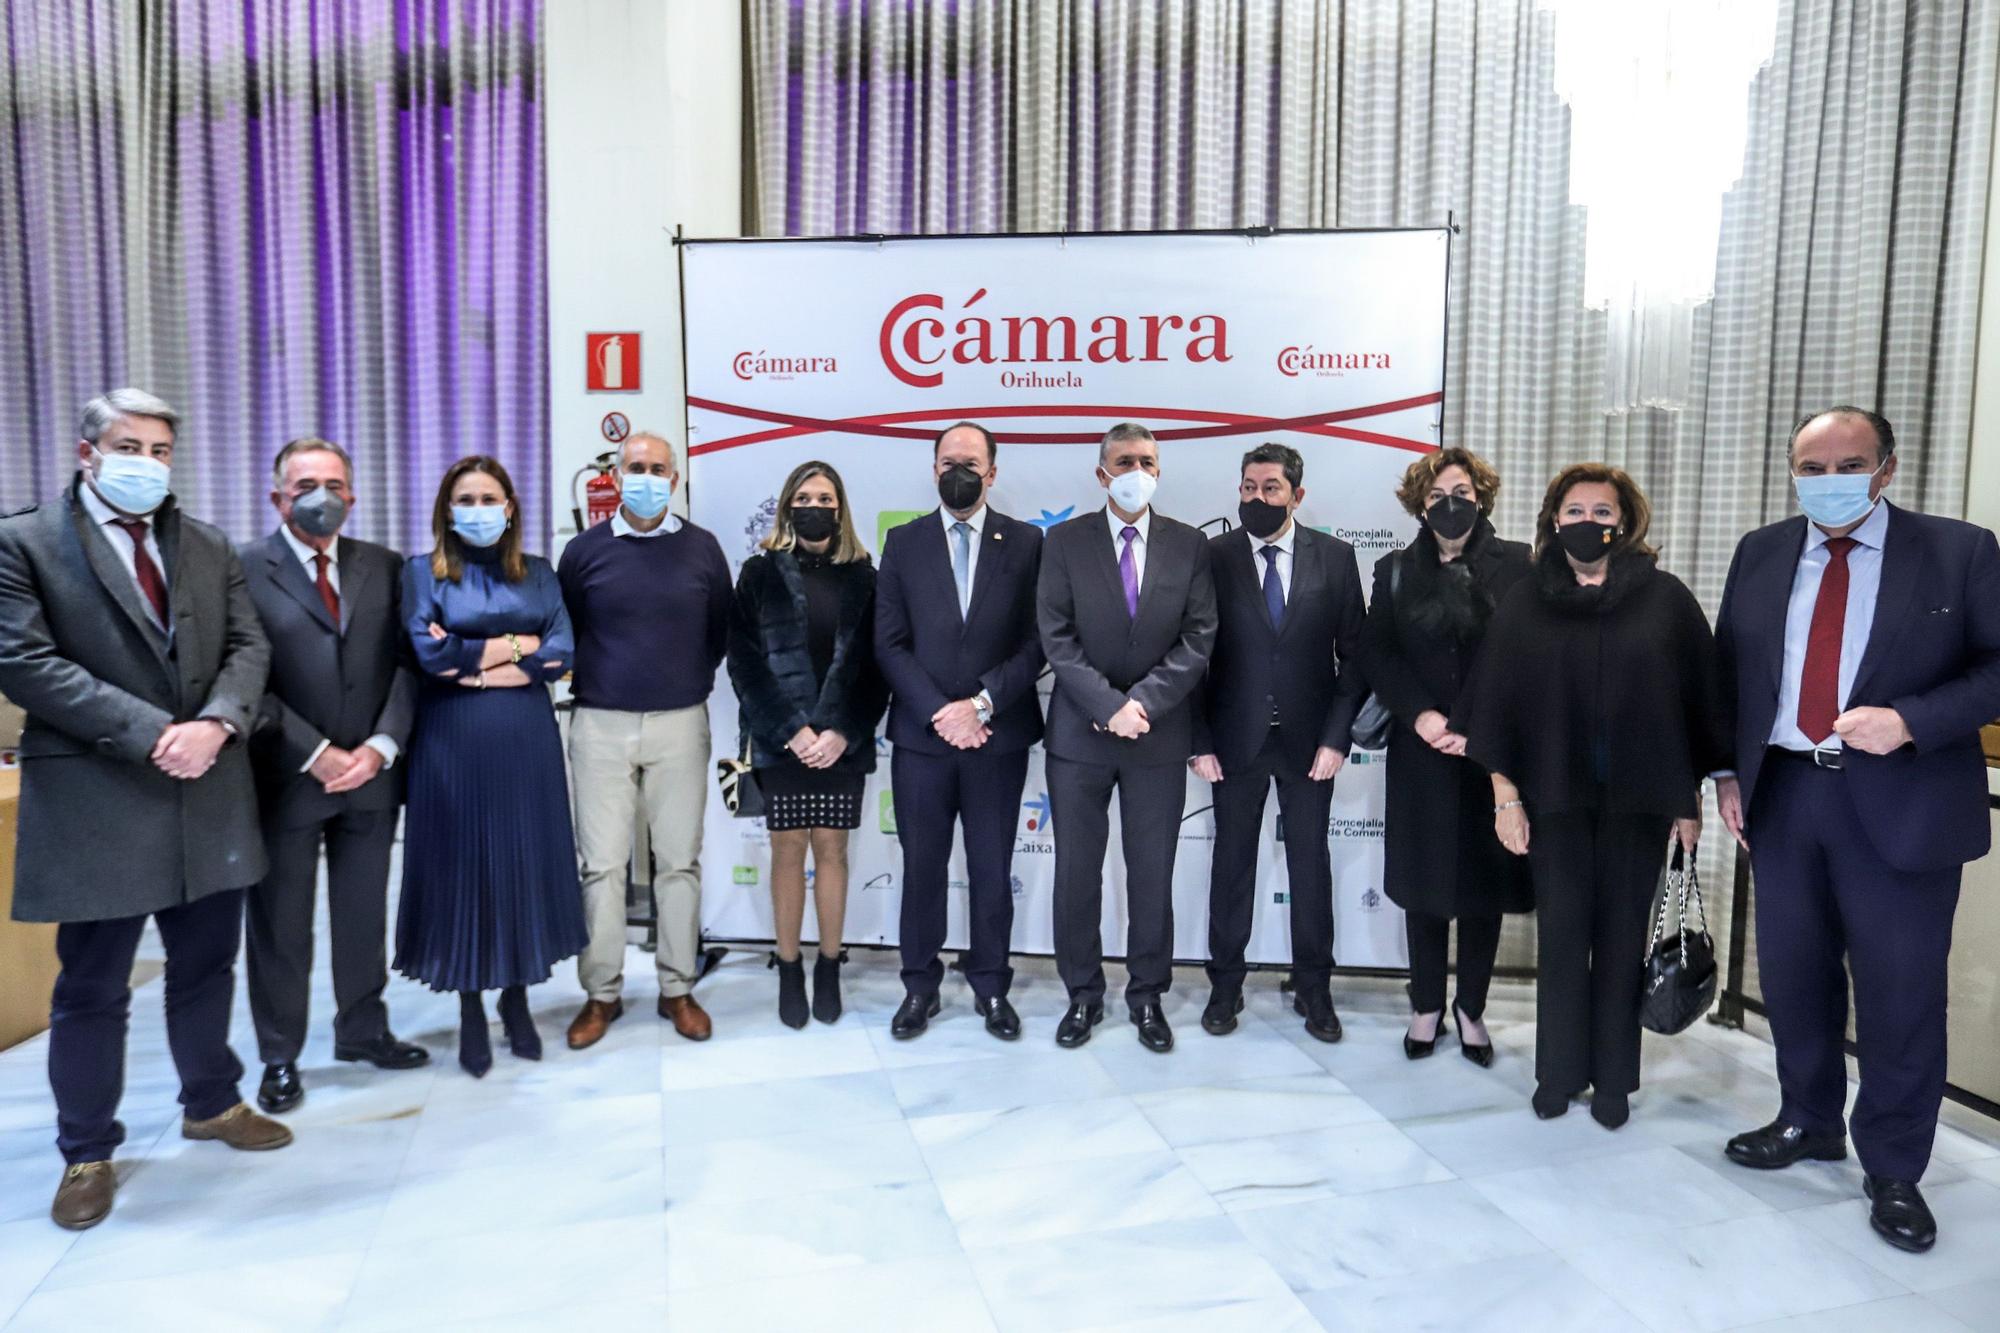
<point>1122,433</point>
<point>308,444</point>
<point>101,411</point>
<point>673,455</point>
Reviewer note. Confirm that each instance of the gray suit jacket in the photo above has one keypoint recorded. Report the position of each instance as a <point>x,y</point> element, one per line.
<point>340,684</point>
<point>104,834</point>
<point>1102,656</point>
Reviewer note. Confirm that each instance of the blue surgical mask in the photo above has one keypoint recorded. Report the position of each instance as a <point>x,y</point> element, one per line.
<point>646,495</point>
<point>132,483</point>
<point>479,525</point>
<point>1835,499</point>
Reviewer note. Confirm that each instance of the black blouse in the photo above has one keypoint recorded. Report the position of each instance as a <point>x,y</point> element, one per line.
<point>1598,698</point>
<point>823,586</point>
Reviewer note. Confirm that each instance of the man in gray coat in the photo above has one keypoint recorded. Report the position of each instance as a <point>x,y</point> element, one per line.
<point>335,718</point>
<point>128,637</point>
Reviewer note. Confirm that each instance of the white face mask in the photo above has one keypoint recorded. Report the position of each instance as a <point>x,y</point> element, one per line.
<point>1133,490</point>
<point>132,483</point>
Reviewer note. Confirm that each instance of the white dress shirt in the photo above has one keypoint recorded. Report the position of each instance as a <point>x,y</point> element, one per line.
<point>1864,582</point>
<point>1144,524</point>
<point>1283,546</point>
<point>622,526</point>
<point>977,522</point>
<point>108,519</point>
<point>308,557</point>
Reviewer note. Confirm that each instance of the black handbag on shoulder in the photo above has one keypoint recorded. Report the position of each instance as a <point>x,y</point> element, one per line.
<point>1373,723</point>
<point>740,791</point>
<point>1680,968</point>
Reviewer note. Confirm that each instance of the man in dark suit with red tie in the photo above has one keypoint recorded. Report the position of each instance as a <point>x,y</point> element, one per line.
<point>1860,646</point>
<point>955,636</point>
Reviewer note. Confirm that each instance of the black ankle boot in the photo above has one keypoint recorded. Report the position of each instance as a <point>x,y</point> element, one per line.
<point>522,1038</point>
<point>792,1010</point>
<point>1549,1103</point>
<point>826,987</point>
<point>475,1046</point>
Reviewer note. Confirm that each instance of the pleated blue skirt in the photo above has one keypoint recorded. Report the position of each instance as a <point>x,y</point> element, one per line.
<point>490,892</point>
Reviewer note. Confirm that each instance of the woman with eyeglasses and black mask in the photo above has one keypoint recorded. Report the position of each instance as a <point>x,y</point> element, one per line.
<point>1596,706</point>
<point>801,656</point>
<point>1441,862</point>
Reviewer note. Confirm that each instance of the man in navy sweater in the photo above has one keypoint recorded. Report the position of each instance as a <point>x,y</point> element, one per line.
<point>648,594</point>
<point>955,635</point>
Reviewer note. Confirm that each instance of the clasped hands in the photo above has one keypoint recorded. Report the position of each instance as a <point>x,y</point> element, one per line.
<point>817,749</point>
<point>338,770</point>
<point>958,725</point>
<point>186,750</point>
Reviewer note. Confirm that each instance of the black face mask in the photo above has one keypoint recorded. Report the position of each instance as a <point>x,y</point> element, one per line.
<point>814,523</point>
<point>1586,542</point>
<point>960,488</point>
<point>1261,517</point>
<point>1452,517</point>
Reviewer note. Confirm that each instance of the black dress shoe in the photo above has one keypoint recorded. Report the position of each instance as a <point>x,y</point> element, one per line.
<point>1001,1020</point>
<point>384,1052</point>
<point>1074,1030</point>
<point>1154,1034</point>
<point>913,1015</point>
<point>1779,1144</point>
<point>1316,1007</point>
<point>1897,1211</point>
<point>1478,1054</point>
<point>280,1090</point>
<point>1218,1016</point>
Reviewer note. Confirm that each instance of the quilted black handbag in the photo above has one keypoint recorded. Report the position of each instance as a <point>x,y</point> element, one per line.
<point>740,792</point>
<point>1680,968</point>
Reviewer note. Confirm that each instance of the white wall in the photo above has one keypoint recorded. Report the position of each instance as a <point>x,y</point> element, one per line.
<point>644,133</point>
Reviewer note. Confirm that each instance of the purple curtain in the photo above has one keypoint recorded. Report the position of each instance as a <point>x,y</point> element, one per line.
<point>341,235</point>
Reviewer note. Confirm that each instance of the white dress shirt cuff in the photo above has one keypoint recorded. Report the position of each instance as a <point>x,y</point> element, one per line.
<point>313,758</point>
<point>385,747</point>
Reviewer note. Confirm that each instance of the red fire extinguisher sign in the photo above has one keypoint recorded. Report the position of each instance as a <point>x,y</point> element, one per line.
<point>612,362</point>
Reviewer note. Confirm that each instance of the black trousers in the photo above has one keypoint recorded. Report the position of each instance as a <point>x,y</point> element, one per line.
<point>278,948</point>
<point>934,794</point>
<point>1823,893</point>
<point>91,1010</point>
<point>1150,801</point>
<point>1595,875</point>
<point>1304,807</point>
<point>1430,955</point>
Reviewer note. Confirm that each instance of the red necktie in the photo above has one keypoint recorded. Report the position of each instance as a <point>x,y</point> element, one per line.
<point>144,569</point>
<point>327,592</point>
<point>1819,683</point>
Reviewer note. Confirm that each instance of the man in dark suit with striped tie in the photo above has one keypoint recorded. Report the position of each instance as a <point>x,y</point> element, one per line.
<point>1277,706</point>
<point>955,636</point>
<point>1860,646</point>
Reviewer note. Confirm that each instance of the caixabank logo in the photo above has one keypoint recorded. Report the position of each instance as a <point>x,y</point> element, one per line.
<point>1037,835</point>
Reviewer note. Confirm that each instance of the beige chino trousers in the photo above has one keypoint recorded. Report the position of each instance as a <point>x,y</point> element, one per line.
<point>622,762</point>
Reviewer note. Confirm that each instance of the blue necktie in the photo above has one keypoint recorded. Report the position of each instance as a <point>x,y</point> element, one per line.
<point>961,558</point>
<point>1274,591</point>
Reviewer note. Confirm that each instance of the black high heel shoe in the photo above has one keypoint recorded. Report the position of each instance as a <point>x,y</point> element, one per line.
<point>475,1044</point>
<point>1481,1055</point>
<point>1418,1050</point>
<point>522,1039</point>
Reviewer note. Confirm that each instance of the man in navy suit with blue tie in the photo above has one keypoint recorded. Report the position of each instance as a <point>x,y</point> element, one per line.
<point>1860,646</point>
<point>955,636</point>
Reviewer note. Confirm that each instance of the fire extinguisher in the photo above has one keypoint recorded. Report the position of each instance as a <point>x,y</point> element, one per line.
<point>600,492</point>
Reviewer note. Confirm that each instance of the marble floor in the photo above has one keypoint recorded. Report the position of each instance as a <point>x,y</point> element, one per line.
<point>836,1179</point>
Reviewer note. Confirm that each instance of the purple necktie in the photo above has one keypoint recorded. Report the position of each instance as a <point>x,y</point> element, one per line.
<point>1128,572</point>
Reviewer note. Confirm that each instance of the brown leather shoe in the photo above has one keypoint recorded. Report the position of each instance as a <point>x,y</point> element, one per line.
<point>241,1128</point>
<point>688,1018</point>
<point>589,1026</point>
<point>84,1197</point>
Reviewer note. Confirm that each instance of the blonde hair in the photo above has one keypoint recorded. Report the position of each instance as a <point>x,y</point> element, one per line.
<point>846,544</point>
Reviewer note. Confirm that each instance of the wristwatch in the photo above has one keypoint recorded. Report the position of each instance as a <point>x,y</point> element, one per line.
<point>982,707</point>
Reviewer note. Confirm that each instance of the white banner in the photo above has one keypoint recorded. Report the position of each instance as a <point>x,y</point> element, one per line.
<point>858,352</point>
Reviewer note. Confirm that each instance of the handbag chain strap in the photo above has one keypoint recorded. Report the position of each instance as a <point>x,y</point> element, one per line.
<point>1682,881</point>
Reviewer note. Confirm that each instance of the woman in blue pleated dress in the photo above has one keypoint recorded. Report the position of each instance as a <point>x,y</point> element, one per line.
<point>490,894</point>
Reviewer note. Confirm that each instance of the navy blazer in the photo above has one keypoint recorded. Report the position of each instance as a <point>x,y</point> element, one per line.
<point>1103,656</point>
<point>1307,665</point>
<point>932,656</point>
<point>1933,655</point>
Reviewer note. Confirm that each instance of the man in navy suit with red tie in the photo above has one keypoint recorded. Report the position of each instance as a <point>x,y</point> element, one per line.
<point>955,636</point>
<point>1860,647</point>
